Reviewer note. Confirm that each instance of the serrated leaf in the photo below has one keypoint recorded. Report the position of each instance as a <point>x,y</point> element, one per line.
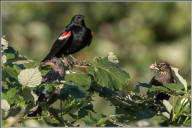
<point>181,79</point>
<point>30,77</point>
<point>28,95</point>
<point>108,74</point>
<point>13,97</point>
<point>5,105</point>
<point>12,92</point>
<point>11,72</point>
<point>81,80</point>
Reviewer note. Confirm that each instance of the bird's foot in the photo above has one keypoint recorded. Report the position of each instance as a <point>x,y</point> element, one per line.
<point>76,61</point>
<point>67,62</point>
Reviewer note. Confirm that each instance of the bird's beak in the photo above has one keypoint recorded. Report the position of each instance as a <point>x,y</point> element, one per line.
<point>49,63</point>
<point>154,67</point>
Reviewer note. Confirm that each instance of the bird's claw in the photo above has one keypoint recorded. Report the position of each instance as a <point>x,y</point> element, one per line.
<point>70,63</point>
<point>67,62</point>
<point>77,61</point>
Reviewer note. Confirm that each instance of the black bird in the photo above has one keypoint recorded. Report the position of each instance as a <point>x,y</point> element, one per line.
<point>73,38</point>
<point>163,76</point>
<point>57,73</point>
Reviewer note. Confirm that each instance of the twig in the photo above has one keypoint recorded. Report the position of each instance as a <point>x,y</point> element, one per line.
<point>55,114</point>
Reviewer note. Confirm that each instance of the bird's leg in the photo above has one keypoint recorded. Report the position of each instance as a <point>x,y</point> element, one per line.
<point>67,63</point>
<point>76,61</point>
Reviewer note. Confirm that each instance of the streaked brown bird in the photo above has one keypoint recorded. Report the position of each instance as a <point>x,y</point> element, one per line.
<point>163,76</point>
<point>57,73</point>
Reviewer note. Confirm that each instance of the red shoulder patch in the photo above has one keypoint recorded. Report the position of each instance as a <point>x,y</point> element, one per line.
<point>65,35</point>
<point>91,33</point>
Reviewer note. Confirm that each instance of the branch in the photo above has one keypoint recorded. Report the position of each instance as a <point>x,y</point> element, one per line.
<point>117,99</point>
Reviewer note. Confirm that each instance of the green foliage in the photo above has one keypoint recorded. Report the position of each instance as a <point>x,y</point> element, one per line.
<point>95,120</point>
<point>136,34</point>
<point>71,102</point>
<point>81,80</point>
<point>109,74</point>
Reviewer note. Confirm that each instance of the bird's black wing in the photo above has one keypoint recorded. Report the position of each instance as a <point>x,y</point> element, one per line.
<point>59,43</point>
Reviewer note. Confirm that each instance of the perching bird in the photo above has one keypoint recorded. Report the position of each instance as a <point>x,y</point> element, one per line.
<point>163,76</point>
<point>57,73</point>
<point>73,38</point>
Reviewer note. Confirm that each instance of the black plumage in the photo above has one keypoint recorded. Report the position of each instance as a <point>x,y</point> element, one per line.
<point>73,38</point>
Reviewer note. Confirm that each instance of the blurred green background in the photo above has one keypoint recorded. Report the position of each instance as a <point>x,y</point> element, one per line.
<point>138,33</point>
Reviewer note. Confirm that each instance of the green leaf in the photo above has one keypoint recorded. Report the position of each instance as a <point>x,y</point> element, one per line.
<point>44,69</point>
<point>81,80</point>
<point>139,86</point>
<point>13,97</point>
<point>89,120</point>
<point>49,87</point>
<point>175,87</point>
<point>31,64</point>
<point>73,91</point>
<point>159,118</point>
<point>10,56</point>
<point>183,105</point>
<point>108,74</point>
<point>85,110</point>
<point>12,92</point>
<point>95,119</point>
<point>29,96</point>
<point>187,123</point>
<point>157,89</point>
<point>10,71</point>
